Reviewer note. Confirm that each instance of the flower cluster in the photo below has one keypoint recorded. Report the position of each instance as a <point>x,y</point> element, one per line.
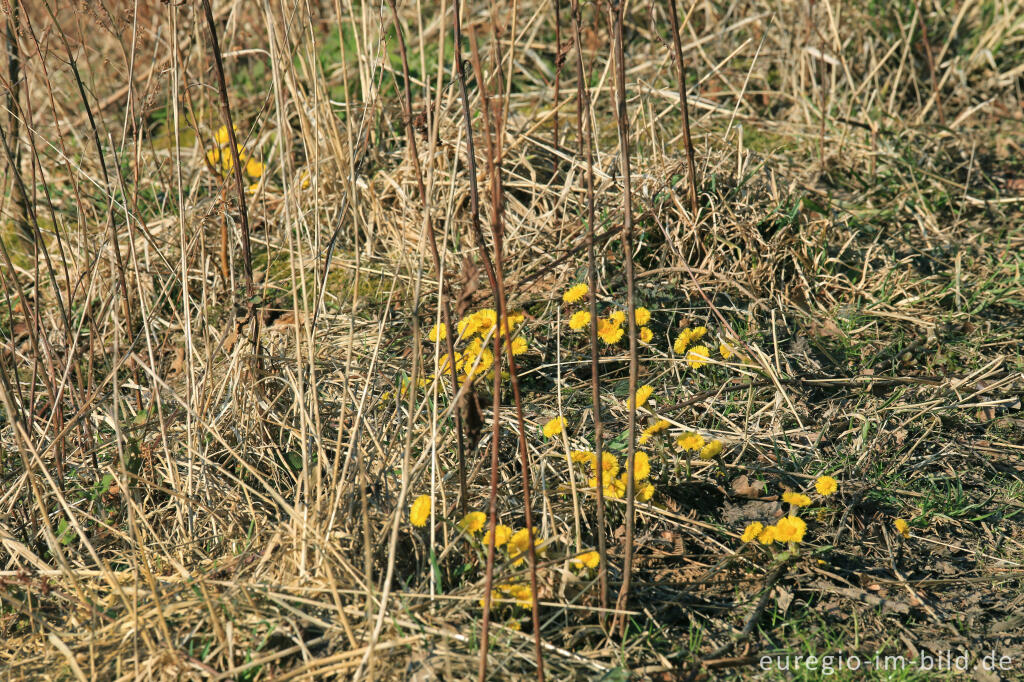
<point>475,330</point>
<point>789,529</point>
<point>692,441</point>
<point>614,477</point>
<point>609,329</point>
<point>221,159</point>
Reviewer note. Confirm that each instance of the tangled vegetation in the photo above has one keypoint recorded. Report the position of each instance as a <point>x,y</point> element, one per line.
<point>510,341</point>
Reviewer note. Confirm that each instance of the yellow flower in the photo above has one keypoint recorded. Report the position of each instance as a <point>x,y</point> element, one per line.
<point>790,529</point>
<point>513,624</point>
<point>826,485</point>
<point>485,320</point>
<point>575,292</point>
<point>519,542</point>
<point>643,394</point>
<point>524,596</point>
<point>646,492</point>
<point>519,345</point>
<point>554,427</point>
<point>420,511</point>
<point>609,332</point>
<point>222,137</point>
<point>725,350</point>
<point>698,333</point>
<point>690,441</point>
<point>641,465</point>
<point>646,335</point>
<point>751,532</point>
<point>796,499</point>
<point>466,326</point>
<point>474,368</point>
<point>581,456</point>
<point>579,320</point>
<point>615,489</point>
<point>711,450</point>
<point>697,357</point>
<point>473,521</point>
<point>513,320</point>
<point>767,536</point>
<point>587,559</point>
<point>654,428</point>
<point>438,332</point>
<point>254,168</point>
<point>442,363</point>
<point>502,533</point>
<point>682,341</point>
<point>903,527</point>
<point>213,156</point>
<point>642,316</point>
<point>226,162</point>
<point>608,462</point>
<point>617,318</point>
<point>253,187</point>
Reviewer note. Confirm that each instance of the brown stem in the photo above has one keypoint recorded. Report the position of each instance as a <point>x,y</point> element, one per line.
<point>622,123</point>
<point>586,147</point>
<point>225,108</point>
<point>681,72</point>
<point>494,277</point>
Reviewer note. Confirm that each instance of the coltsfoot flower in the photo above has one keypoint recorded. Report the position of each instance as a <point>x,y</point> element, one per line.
<point>420,511</point>
<point>575,293</point>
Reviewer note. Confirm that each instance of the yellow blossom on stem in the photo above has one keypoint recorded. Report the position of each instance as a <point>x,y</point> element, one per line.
<point>554,427</point>
<point>711,450</point>
<point>579,320</point>
<point>473,521</point>
<point>575,293</point>
<point>682,341</point>
<point>502,533</point>
<point>790,529</point>
<point>617,318</point>
<point>654,428</point>
<point>587,560</point>
<point>609,332</point>
<point>438,332</point>
<point>826,485</point>
<point>752,531</point>
<point>608,462</point>
<point>697,357</point>
<point>903,527</point>
<point>767,536</point>
<point>690,441</point>
<point>254,168</point>
<point>222,135</point>
<point>615,489</point>
<point>725,350</point>
<point>581,456</point>
<point>643,394</point>
<point>645,492</point>
<point>420,511</point>
<point>642,316</point>
<point>796,499</point>
<point>641,465</point>
<point>519,345</point>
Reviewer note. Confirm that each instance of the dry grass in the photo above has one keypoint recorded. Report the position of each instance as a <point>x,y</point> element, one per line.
<point>200,480</point>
